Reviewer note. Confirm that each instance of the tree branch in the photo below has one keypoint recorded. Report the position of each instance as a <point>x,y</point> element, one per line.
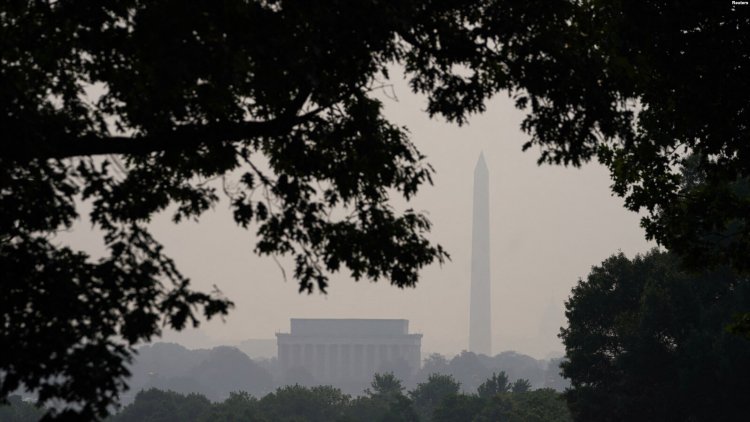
<point>183,137</point>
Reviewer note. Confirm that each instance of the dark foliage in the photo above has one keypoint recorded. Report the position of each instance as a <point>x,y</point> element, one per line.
<point>165,406</point>
<point>496,384</point>
<point>646,342</point>
<point>272,97</point>
<point>428,395</point>
<point>458,407</point>
<point>385,401</point>
<point>544,405</point>
<point>184,95</point>
<point>314,404</point>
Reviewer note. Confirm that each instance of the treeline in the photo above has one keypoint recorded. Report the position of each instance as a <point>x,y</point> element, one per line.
<point>172,383</point>
<point>471,369</point>
<point>439,398</point>
<point>214,373</point>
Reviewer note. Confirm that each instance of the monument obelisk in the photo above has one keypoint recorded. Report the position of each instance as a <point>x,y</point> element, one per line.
<point>480,337</point>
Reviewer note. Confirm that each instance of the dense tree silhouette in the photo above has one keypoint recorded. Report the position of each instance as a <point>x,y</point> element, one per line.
<point>645,341</point>
<point>271,96</point>
<point>543,405</point>
<point>137,106</point>
<point>428,395</point>
<point>384,402</point>
<point>521,386</point>
<point>642,87</point>
<point>496,384</point>
<point>165,406</point>
<point>315,404</point>
<point>458,407</point>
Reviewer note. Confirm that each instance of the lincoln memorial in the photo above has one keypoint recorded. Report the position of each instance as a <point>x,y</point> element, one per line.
<point>345,350</point>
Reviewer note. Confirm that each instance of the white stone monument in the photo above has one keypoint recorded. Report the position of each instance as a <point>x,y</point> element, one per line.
<point>480,331</point>
<point>337,351</point>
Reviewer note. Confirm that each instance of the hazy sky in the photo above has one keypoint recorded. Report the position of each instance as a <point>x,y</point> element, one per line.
<point>549,225</point>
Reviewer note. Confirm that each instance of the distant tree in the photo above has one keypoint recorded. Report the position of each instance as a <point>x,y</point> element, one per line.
<point>286,404</point>
<point>364,407</point>
<point>543,405</point>
<point>496,384</point>
<point>473,369</point>
<point>497,408</point>
<point>467,368</point>
<point>385,385</point>
<point>239,407</point>
<point>399,410</point>
<point>517,365</point>
<point>156,363</point>
<point>520,386</point>
<point>214,373</point>
<point>645,341</point>
<point>297,403</point>
<point>427,396</point>
<point>227,369</point>
<point>183,384</point>
<point>164,406</point>
<point>458,408</point>
<point>384,401</point>
<point>435,363</point>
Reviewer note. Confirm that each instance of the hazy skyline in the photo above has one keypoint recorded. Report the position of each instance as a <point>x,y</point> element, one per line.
<point>549,225</point>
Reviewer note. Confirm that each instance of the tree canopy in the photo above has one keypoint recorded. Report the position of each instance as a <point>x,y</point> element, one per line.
<point>646,341</point>
<point>385,402</point>
<point>428,395</point>
<point>138,106</point>
<point>182,96</point>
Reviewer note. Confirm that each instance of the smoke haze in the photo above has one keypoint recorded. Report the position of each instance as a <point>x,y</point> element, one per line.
<point>548,226</point>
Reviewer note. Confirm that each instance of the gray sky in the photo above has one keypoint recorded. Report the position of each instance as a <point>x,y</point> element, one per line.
<point>549,225</point>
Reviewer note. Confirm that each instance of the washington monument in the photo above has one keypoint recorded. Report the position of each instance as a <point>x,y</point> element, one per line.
<point>479,320</point>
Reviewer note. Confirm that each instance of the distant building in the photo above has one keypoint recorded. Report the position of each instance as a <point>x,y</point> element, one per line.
<point>336,351</point>
<point>480,318</point>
